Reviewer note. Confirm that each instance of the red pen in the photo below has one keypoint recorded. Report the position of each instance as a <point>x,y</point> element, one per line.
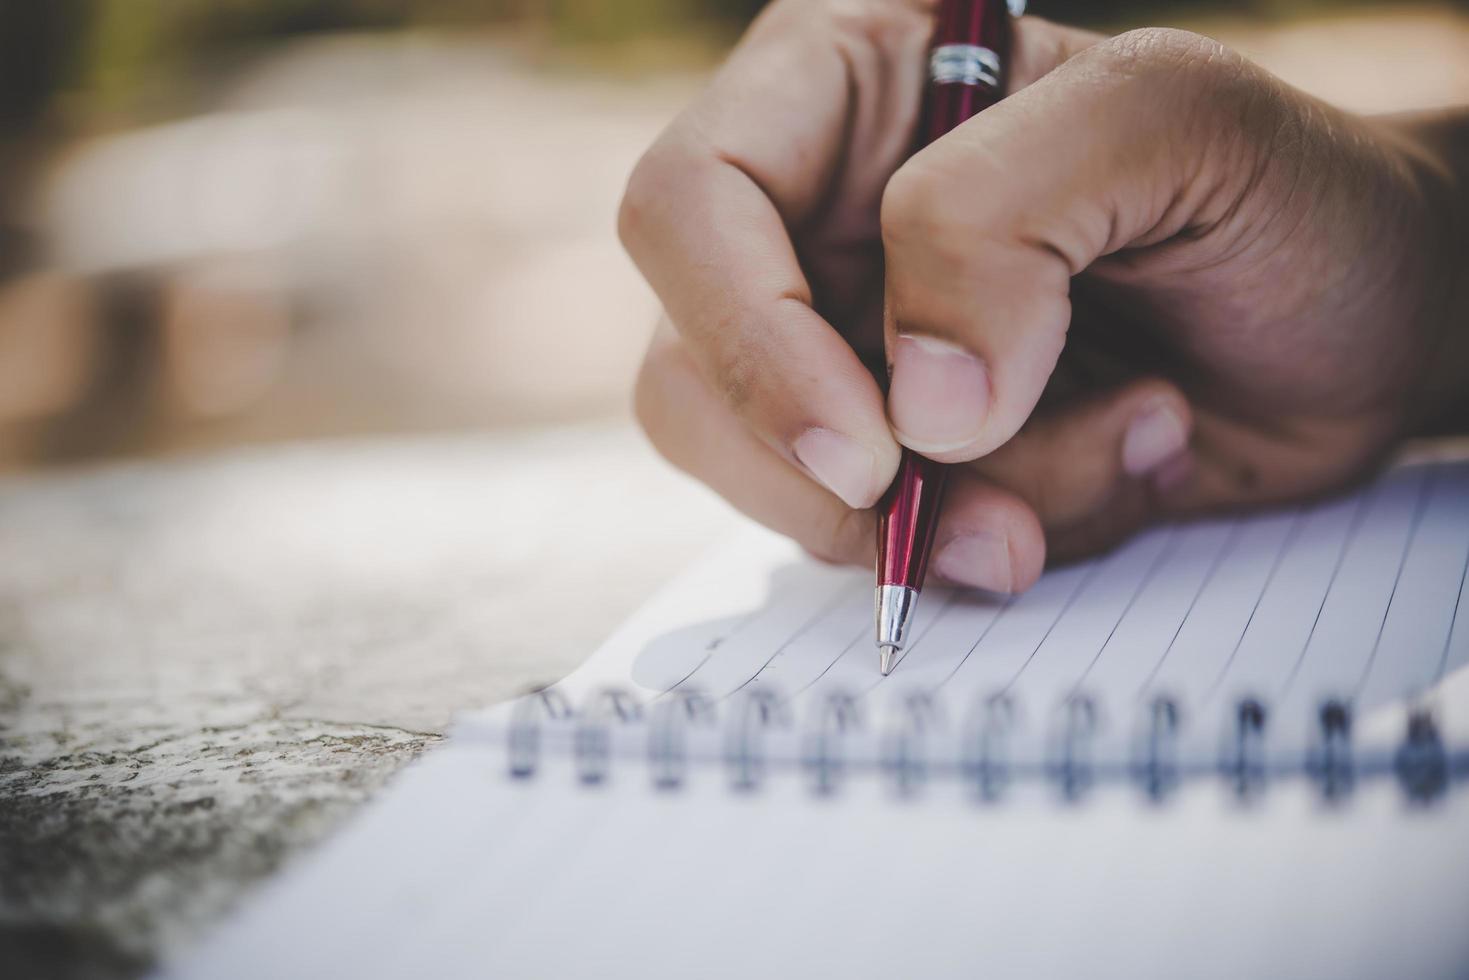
<point>966,73</point>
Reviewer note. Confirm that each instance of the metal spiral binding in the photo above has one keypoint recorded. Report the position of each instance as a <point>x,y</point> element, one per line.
<point>678,729</point>
<point>1330,760</point>
<point>822,755</point>
<point>1242,762</point>
<point>592,742</point>
<point>1422,762</point>
<point>984,752</point>
<point>1156,765</point>
<point>1071,765</point>
<point>744,754</point>
<point>668,722</point>
<point>523,740</point>
<point>904,755</point>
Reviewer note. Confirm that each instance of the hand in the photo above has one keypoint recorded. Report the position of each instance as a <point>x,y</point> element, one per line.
<point>1153,281</point>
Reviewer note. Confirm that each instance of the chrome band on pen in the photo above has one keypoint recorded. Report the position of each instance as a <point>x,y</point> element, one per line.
<point>964,64</point>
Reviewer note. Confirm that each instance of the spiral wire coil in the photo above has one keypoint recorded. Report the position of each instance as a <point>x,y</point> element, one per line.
<point>915,745</point>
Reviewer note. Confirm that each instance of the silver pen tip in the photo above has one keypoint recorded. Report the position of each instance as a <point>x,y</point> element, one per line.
<point>894,609</point>
<point>887,656</point>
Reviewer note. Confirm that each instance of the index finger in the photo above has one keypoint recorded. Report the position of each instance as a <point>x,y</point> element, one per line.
<point>708,209</point>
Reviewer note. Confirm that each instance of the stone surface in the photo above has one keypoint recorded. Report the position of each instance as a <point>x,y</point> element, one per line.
<point>207,663</point>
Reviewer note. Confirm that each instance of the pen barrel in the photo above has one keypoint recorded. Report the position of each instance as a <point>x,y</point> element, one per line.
<point>972,22</point>
<point>907,520</point>
<point>968,62</point>
<point>967,66</point>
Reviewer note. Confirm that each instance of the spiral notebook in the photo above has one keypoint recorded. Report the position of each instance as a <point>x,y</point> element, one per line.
<point>1229,748</point>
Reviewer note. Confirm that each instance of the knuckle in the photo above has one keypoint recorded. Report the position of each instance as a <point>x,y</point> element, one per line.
<point>1149,51</point>
<point>736,369</point>
<point>848,16</point>
<point>1194,72</point>
<point>929,230</point>
<point>1210,93</point>
<point>879,23</point>
<point>913,206</point>
<point>647,187</point>
<point>902,201</point>
<point>632,209</point>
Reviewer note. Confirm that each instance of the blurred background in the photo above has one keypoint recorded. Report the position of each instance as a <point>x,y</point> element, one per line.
<point>233,222</point>
<point>227,221</point>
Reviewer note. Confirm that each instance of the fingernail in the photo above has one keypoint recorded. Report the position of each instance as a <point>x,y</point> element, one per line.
<point>1153,437</point>
<point>939,396</point>
<point>843,466</point>
<point>978,560</point>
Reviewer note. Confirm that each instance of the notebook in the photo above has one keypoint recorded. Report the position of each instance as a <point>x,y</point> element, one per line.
<point>1235,747</point>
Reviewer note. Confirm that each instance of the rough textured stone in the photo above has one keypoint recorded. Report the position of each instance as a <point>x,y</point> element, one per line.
<point>206,664</point>
<point>111,853</point>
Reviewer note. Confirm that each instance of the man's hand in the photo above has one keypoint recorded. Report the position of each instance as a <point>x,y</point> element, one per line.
<point>1153,281</point>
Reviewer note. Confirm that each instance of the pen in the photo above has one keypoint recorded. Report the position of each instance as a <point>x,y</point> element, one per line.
<point>966,73</point>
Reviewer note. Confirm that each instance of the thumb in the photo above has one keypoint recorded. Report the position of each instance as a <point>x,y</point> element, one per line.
<point>1127,143</point>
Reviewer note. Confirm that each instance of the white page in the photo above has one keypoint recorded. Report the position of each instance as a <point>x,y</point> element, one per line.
<point>1354,598</point>
<point>1413,639</point>
<point>461,871</point>
<point>550,879</point>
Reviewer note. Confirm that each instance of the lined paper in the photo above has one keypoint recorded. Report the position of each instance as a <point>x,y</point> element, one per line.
<point>1355,598</point>
<point>461,872</point>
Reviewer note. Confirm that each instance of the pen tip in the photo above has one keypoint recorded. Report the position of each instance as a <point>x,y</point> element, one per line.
<point>886,656</point>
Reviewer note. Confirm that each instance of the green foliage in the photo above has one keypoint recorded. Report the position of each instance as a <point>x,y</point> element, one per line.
<point>110,49</point>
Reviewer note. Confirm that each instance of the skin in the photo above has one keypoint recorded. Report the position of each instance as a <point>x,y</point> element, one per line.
<point>1154,281</point>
